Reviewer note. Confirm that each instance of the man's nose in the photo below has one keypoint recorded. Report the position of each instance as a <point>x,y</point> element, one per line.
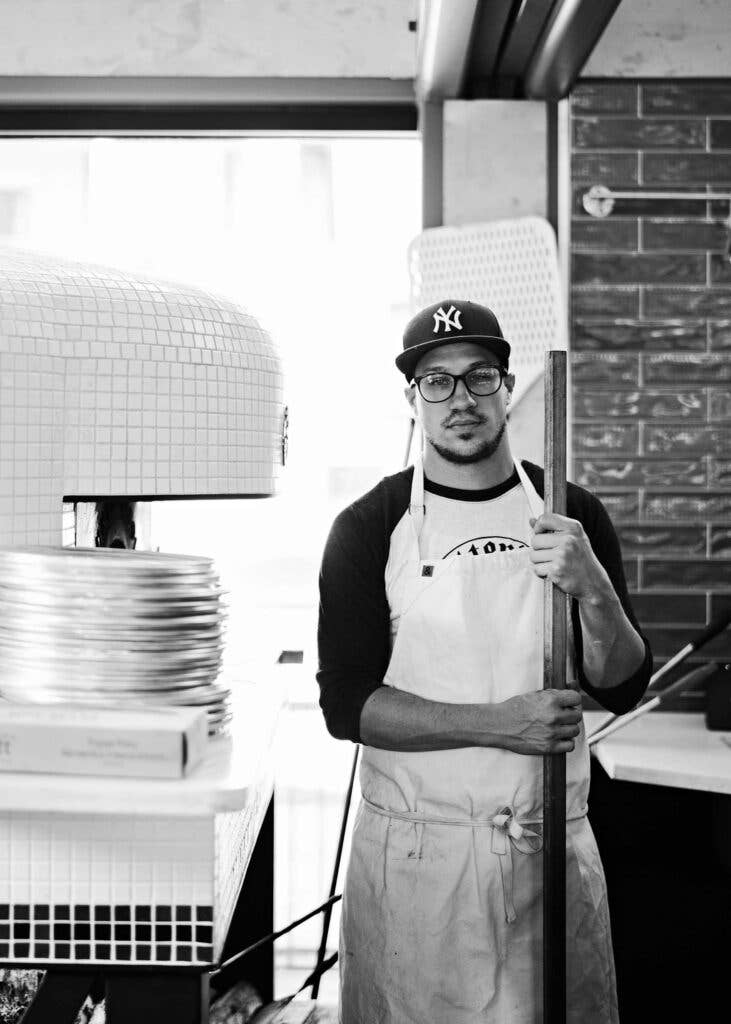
<point>462,396</point>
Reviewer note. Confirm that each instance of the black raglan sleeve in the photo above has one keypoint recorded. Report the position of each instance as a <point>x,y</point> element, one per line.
<point>605,544</point>
<point>353,625</point>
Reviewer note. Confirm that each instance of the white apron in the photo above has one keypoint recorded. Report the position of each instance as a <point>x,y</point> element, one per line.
<point>442,910</point>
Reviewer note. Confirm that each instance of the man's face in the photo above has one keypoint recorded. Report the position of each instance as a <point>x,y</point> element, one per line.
<point>465,428</point>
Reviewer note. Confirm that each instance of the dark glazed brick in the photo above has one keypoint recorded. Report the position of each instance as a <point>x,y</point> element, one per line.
<point>602,268</point>
<point>163,913</point>
<point>721,540</point>
<point>122,913</point>
<point>721,134</point>
<point>21,912</point>
<point>143,912</point>
<point>706,98</point>
<point>183,933</point>
<point>621,506</point>
<point>41,950</point>
<point>691,302</point>
<point>204,913</point>
<point>102,912</point>
<point>123,932</point>
<point>720,404</point>
<point>622,438</point>
<point>62,951</point>
<point>182,913</point>
<point>719,474</point>
<point>605,168</point>
<point>4,911</point>
<point>4,931</point>
<point>162,952</point>
<point>62,931</point>
<point>81,912</point>
<point>203,933</point>
<point>640,207</point>
<point>669,508</point>
<point>597,473</point>
<point>672,440</point>
<point>696,369</point>
<point>640,539</point>
<point>103,951</point>
<point>648,403</point>
<point>41,911</point>
<point>204,953</point>
<point>690,169</point>
<point>667,642</point>
<point>122,952</point>
<point>683,234</point>
<point>102,931</point>
<point>605,302</point>
<point>604,98</point>
<point>604,234</point>
<point>143,932</point>
<point>82,952</point>
<point>605,369</point>
<point>61,912</point>
<point>42,931</point>
<point>22,931</point>
<point>683,609</point>
<point>82,931</point>
<point>163,933</point>
<point>631,573</point>
<point>21,950</point>
<point>142,952</point>
<point>720,604</point>
<point>637,133</point>
<point>674,335</point>
<point>183,953</point>
<point>720,271</point>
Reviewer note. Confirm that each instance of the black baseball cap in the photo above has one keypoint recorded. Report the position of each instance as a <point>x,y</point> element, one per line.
<point>446,322</point>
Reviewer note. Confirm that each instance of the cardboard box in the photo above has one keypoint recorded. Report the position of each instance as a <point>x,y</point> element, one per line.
<point>85,739</point>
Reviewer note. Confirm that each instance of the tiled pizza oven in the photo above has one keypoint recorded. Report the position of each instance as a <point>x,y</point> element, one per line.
<point>113,385</point>
<point>651,345</point>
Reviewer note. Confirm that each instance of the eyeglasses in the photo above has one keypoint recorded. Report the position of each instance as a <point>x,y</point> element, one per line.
<point>438,387</point>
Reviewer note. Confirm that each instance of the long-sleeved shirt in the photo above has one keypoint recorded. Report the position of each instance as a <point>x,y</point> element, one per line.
<point>354,638</point>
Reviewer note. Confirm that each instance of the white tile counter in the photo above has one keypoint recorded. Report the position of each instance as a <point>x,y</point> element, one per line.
<point>140,871</point>
<point>666,749</point>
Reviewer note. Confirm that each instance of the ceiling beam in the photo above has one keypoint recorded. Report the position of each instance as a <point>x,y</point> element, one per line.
<point>445,33</point>
<point>571,33</point>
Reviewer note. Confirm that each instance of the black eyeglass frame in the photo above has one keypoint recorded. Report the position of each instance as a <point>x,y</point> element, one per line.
<point>456,377</point>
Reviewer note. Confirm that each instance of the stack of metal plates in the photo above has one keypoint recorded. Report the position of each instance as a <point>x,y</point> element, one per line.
<point>113,627</point>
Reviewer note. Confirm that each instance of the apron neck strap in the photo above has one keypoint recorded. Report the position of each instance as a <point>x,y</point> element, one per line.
<point>417,506</point>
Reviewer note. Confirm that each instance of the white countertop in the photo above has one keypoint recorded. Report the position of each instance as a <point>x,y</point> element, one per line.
<point>234,766</point>
<point>666,748</point>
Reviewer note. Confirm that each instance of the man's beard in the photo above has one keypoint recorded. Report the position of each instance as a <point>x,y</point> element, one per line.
<point>485,449</point>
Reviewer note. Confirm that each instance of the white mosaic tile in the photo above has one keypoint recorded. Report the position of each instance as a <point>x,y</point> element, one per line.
<point>88,888</point>
<point>112,385</point>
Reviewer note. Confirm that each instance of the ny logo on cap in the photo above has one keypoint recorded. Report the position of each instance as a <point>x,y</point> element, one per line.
<point>449,320</point>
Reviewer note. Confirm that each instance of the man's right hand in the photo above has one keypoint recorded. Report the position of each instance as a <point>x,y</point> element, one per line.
<point>544,722</point>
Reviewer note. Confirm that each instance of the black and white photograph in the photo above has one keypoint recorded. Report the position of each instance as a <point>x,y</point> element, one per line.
<point>365,511</point>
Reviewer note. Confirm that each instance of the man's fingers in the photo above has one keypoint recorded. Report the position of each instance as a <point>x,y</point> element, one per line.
<point>568,698</point>
<point>549,522</point>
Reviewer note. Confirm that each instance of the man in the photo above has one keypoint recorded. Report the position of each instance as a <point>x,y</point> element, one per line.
<point>431,644</point>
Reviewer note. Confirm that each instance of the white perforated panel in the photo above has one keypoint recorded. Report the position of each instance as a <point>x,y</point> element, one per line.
<point>510,266</point>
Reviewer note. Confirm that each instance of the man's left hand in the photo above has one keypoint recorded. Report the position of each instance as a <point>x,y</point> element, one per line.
<point>561,552</point>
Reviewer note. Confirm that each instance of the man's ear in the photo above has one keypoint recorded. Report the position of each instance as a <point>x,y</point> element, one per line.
<point>410,394</point>
<point>509,384</point>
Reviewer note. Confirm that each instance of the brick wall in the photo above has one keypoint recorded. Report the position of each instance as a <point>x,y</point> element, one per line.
<point>651,346</point>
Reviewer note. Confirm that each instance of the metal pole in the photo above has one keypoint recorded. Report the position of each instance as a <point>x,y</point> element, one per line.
<point>554,677</point>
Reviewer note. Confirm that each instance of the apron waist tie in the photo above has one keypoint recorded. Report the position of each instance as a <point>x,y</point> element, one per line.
<point>508,834</point>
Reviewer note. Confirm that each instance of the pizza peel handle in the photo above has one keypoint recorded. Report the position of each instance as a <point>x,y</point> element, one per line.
<point>554,677</point>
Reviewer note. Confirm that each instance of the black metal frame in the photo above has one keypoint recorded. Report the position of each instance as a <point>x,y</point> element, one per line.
<point>189,107</point>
